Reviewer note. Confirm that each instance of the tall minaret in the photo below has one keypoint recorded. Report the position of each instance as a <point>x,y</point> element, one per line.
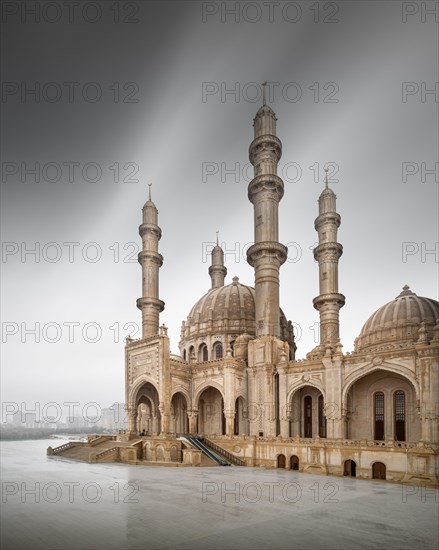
<point>265,191</point>
<point>327,253</point>
<point>151,261</point>
<point>217,270</point>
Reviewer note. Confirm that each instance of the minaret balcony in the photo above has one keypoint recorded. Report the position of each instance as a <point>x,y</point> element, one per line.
<point>266,182</point>
<point>334,298</point>
<point>326,219</point>
<point>330,252</point>
<point>150,228</point>
<point>264,249</point>
<point>150,255</point>
<point>262,143</point>
<point>150,301</point>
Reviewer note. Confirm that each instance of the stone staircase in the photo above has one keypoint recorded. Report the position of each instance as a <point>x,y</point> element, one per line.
<point>101,451</point>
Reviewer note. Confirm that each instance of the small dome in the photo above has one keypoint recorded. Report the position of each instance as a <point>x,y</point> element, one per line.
<point>265,110</point>
<point>243,339</point>
<point>398,321</point>
<point>327,191</point>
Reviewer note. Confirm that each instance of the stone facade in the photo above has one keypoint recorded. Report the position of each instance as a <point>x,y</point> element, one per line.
<point>372,413</point>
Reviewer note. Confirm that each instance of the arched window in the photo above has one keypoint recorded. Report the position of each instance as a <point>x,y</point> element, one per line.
<point>399,408</point>
<point>322,418</point>
<point>307,410</point>
<point>378,406</point>
<point>184,354</point>
<point>203,353</point>
<point>218,350</point>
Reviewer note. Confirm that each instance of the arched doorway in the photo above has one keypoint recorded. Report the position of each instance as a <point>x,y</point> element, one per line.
<point>179,417</point>
<point>148,413</point>
<point>378,470</point>
<point>211,419</point>
<point>306,413</point>
<point>350,468</point>
<point>281,461</point>
<point>294,462</point>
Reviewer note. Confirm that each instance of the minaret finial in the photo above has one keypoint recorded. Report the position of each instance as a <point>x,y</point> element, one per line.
<point>326,177</point>
<point>217,270</point>
<point>149,191</point>
<point>263,92</point>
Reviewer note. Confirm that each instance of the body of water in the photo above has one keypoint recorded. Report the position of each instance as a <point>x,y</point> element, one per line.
<point>51,503</point>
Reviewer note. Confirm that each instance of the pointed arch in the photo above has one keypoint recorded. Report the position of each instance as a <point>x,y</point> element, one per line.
<point>179,413</point>
<point>207,384</point>
<point>210,405</point>
<point>146,402</point>
<point>139,382</point>
<point>300,385</point>
<point>376,410</point>
<point>363,371</point>
<point>305,417</point>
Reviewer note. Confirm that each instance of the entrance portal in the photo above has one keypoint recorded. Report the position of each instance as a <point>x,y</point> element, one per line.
<point>350,468</point>
<point>281,461</point>
<point>378,470</point>
<point>294,462</point>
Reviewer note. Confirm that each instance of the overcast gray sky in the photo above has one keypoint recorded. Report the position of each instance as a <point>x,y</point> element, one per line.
<point>165,92</point>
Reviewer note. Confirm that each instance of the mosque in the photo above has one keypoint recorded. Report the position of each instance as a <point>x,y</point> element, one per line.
<point>236,390</point>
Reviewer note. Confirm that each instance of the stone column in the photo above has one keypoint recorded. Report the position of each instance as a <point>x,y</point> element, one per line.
<point>165,420</point>
<point>132,418</point>
<point>193,417</point>
<point>283,403</point>
<point>230,422</point>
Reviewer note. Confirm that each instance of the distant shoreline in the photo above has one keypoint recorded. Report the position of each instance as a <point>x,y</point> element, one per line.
<point>43,433</point>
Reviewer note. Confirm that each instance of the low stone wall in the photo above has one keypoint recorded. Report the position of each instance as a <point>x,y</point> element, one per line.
<point>404,461</point>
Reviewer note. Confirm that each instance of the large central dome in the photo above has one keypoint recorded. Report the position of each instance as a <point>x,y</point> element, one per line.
<point>225,312</point>
<point>227,307</point>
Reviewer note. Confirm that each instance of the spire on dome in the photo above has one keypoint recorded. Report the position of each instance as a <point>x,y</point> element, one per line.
<point>264,102</point>
<point>264,122</point>
<point>150,211</point>
<point>327,190</point>
<point>327,199</point>
<point>406,291</point>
